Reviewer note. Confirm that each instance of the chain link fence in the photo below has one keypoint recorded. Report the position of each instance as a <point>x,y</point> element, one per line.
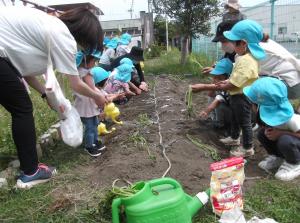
<point>279,18</point>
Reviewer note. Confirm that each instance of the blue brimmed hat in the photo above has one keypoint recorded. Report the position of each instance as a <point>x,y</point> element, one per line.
<point>123,73</point>
<point>126,60</point>
<point>99,74</point>
<point>80,55</point>
<point>223,67</point>
<point>106,41</point>
<point>250,31</point>
<point>113,43</point>
<point>125,39</point>
<point>270,94</point>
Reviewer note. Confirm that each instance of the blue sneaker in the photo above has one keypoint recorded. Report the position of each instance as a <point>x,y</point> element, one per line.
<point>42,175</point>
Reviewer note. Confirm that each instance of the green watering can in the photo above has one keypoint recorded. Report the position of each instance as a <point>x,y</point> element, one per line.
<point>159,201</point>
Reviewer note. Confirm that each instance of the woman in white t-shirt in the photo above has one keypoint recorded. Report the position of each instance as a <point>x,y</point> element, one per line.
<point>280,63</point>
<point>25,36</point>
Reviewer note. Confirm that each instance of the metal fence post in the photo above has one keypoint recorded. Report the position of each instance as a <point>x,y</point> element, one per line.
<point>272,17</point>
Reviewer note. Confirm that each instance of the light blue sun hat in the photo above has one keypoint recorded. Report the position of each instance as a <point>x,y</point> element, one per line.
<point>80,55</point>
<point>96,54</point>
<point>125,39</point>
<point>126,60</point>
<point>123,73</point>
<point>113,43</point>
<point>106,40</point>
<point>99,74</point>
<point>223,67</point>
<point>250,31</point>
<point>270,94</point>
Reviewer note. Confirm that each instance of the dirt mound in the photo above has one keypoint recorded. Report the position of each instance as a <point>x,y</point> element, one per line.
<point>134,150</point>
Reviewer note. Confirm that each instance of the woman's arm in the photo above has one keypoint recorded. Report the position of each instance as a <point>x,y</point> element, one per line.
<point>35,84</point>
<point>80,87</point>
<point>88,79</point>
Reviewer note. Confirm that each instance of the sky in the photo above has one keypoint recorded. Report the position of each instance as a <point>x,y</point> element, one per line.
<point>118,9</point>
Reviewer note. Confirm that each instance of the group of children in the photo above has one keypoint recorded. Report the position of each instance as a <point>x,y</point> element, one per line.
<point>240,94</point>
<point>117,83</point>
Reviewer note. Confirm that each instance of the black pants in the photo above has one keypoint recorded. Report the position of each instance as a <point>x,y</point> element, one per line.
<point>287,147</point>
<point>241,119</point>
<point>15,99</point>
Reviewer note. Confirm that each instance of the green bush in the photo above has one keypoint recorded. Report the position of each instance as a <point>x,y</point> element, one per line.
<point>154,51</point>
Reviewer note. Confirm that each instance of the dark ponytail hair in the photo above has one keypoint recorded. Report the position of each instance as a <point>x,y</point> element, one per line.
<point>265,38</point>
<point>85,27</point>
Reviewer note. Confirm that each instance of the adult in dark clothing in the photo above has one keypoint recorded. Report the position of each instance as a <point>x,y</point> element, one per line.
<point>137,78</point>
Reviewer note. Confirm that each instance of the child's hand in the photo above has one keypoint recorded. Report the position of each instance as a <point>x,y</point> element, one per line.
<point>138,91</point>
<point>203,115</point>
<point>197,87</point>
<point>272,134</point>
<point>207,70</point>
<point>121,96</point>
<point>143,86</point>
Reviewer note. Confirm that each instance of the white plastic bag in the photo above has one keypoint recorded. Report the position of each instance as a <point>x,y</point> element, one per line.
<point>55,96</point>
<point>234,215</point>
<point>71,128</point>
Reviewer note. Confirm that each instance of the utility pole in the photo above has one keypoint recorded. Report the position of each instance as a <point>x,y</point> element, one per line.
<point>272,17</point>
<point>167,33</point>
<point>131,9</point>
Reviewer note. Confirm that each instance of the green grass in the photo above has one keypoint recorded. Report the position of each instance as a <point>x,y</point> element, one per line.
<point>44,117</point>
<point>168,63</point>
<point>266,199</point>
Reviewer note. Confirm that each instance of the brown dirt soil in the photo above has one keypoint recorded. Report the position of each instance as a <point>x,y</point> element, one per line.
<point>190,166</point>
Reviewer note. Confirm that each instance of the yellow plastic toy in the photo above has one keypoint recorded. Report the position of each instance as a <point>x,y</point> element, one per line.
<point>112,112</point>
<point>102,129</point>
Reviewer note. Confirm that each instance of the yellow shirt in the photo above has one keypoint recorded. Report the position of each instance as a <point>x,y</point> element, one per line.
<point>245,72</point>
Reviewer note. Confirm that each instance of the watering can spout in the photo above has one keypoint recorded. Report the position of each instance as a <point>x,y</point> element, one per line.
<point>197,202</point>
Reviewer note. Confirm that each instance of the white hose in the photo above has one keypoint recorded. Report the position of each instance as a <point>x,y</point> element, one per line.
<point>159,132</point>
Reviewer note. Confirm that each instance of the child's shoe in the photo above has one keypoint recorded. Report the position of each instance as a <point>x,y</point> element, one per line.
<point>94,152</point>
<point>270,162</point>
<point>288,171</point>
<point>42,175</point>
<point>241,152</point>
<point>230,141</point>
<point>100,146</point>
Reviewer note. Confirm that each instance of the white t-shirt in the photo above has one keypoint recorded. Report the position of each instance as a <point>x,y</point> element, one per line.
<point>122,50</point>
<point>85,106</point>
<point>24,38</point>
<point>107,56</point>
<point>280,63</point>
<point>292,125</point>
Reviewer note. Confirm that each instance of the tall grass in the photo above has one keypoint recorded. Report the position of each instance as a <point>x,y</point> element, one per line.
<point>169,63</point>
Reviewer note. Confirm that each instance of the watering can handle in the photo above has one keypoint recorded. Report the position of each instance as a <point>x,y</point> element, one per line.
<point>115,210</point>
<point>162,181</point>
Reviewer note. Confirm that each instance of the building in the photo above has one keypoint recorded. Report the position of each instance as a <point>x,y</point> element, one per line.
<point>141,29</point>
<point>286,27</point>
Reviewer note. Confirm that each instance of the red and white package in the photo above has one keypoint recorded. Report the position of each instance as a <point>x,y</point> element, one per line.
<point>226,184</point>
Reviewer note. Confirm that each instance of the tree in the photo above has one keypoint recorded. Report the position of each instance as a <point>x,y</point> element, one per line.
<point>192,15</point>
<point>160,29</point>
